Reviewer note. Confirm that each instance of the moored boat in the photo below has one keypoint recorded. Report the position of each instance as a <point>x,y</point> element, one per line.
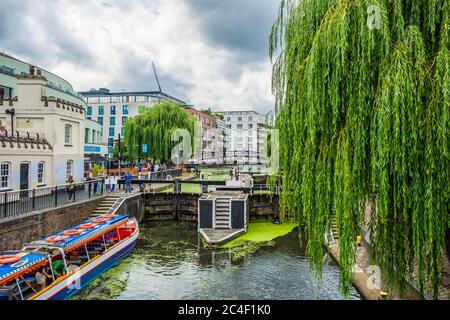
<point>68,260</point>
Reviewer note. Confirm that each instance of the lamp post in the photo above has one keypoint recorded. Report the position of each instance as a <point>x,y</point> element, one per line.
<point>12,113</point>
<point>120,156</point>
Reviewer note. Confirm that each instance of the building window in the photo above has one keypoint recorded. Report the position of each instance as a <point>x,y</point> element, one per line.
<point>41,173</point>
<point>122,131</point>
<point>110,142</point>
<point>69,169</point>
<point>112,110</point>
<point>112,121</point>
<point>125,109</point>
<point>239,126</point>
<point>68,135</point>
<point>111,132</point>
<point>5,172</point>
<point>250,126</point>
<point>250,118</point>
<point>86,135</point>
<point>100,120</point>
<point>228,118</point>
<point>240,119</point>
<point>101,110</point>
<point>89,110</point>
<point>124,120</point>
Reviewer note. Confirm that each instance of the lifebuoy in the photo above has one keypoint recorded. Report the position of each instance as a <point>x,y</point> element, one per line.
<point>100,220</point>
<point>87,226</point>
<point>108,216</point>
<point>56,238</point>
<point>72,232</point>
<point>9,259</point>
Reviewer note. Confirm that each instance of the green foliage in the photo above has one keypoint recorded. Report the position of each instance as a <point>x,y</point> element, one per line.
<point>364,117</point>
<point>207,111</point>
<point>155,128</point>
<point>123,150</point>
<point>219,116</point>
<point>96,170</point>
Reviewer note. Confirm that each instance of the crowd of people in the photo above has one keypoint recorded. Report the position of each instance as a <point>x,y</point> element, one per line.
<point>112,179</point>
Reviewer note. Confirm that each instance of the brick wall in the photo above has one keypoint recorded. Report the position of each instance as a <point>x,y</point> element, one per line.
<point>14,233</point>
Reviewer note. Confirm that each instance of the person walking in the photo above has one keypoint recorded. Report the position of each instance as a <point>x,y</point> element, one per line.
<point>70,187</point>
<point>128,178</point>
<point>111,182</point>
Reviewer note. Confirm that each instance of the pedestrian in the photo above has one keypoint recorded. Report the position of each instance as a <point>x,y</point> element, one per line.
<point>2,131</point>
<point>70,187</point>
<point>128,178</point>
<point>111,182</point>
<point>100,177</point>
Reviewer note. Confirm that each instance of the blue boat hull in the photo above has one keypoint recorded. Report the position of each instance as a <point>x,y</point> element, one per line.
<point>91,275</point>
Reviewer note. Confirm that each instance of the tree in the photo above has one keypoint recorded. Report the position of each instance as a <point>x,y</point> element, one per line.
<point>123,150</point>
<point>363,89</point>
<point>155,128</point>
<point>219,116</point>
<point>207,111</point>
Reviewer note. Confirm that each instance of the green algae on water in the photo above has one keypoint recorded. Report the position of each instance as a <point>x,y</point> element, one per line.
<point>259,234</point>
<point>262,232</point>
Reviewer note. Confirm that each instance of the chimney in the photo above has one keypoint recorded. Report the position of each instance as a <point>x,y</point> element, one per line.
<point>31,70</point>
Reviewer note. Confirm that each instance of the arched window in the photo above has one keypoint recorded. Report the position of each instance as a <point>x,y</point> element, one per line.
<point>69,169</point>
<point>68,135</point>
<point>41,173</point>
<point>5,175</point>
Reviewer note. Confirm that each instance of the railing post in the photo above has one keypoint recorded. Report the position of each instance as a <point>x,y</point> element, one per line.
<point>56,196</point>
<point>34,199</point>
<point>74,191</point>
<point>6,204</point>
<point>89,189</point>
<point>102,185</point>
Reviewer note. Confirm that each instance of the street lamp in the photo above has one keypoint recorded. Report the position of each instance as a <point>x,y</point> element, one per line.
<point>11,112</point>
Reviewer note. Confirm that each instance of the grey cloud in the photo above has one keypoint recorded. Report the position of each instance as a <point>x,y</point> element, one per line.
<point>17,34</point>
<point>240,26</point>
<point>137,74</point>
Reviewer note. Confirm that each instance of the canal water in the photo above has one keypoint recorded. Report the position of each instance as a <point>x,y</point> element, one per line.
<point>169,262</point>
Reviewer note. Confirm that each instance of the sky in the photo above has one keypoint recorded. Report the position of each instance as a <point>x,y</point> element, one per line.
<point>209,53</point>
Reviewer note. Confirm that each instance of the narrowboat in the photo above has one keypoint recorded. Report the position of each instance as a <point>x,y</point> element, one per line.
<point>68,260</point>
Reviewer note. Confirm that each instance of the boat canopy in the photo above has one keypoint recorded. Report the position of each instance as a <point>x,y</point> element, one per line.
<point>85,234</point>
<point>27,260</point>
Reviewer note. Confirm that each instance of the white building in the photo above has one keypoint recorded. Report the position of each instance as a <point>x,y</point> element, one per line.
<point>225,135</point>
<point>44,122</point>
<point>247,136</point>
<point>112,109</point>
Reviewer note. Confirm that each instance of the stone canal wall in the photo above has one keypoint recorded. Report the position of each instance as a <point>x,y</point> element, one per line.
<point>132,206</point>
<point>15,232</point>
<point>185,207</point>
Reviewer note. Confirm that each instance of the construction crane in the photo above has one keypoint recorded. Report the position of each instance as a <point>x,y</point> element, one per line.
<point>156,76</point>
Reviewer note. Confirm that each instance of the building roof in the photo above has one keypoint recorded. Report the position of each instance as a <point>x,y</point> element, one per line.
<point>239,112</point>
<point>29,64</point>
<point>103,92</point>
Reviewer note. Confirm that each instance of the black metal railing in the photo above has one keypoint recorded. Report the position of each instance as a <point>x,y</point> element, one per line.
<point>160,175</point>
<point>16,203</point>
<point>201,186</point>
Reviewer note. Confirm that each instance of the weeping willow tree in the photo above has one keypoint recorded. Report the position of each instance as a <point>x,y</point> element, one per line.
<point>363,89</point>
<point>155,128</point>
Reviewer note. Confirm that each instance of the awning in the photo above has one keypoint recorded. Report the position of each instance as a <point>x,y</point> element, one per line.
<point>95,157</point>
